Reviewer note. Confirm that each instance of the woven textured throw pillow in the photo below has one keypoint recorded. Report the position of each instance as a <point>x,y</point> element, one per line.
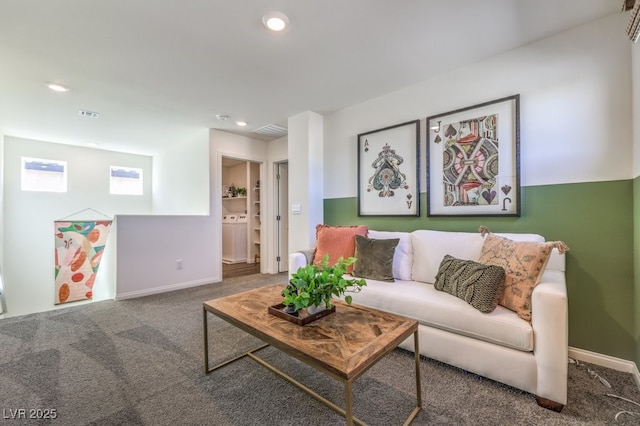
<point>477,284</point>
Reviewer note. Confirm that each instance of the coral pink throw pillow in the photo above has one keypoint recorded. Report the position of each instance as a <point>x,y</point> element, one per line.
<point>337,241</point>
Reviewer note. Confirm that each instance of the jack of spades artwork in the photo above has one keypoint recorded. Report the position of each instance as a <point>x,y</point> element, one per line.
<point>470,162</point>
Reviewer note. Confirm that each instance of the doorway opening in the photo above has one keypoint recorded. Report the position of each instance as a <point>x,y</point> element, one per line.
<point>241,217</point>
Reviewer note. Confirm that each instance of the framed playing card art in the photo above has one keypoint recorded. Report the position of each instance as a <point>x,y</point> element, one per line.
<point>388,171</point>
<point>473,160</point>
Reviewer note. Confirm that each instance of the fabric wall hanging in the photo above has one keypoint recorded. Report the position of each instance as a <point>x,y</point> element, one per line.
<point>79,245</point>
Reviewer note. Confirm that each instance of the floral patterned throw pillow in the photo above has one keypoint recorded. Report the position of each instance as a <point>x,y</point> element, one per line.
<point>523,263</point>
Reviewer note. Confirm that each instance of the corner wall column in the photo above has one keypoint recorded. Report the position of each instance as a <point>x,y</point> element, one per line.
<point>306,177</point>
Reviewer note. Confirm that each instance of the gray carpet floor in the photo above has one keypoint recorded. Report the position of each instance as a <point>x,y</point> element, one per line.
<point>140,362</point>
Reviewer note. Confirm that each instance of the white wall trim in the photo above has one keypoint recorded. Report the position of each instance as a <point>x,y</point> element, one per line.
<point>607,361</point>
<point>164,289</point>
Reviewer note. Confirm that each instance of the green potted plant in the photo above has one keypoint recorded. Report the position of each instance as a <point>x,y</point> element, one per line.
<point>314,285</point>
<point>233,190</point>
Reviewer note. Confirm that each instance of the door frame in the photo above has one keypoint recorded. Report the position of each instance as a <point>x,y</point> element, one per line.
<point>281,216</point>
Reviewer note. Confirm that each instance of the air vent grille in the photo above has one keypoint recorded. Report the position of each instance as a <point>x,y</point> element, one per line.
<point>272,130</point>
<point>90,114</point>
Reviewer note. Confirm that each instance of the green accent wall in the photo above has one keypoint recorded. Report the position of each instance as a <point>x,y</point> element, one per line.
<point>595,220</point>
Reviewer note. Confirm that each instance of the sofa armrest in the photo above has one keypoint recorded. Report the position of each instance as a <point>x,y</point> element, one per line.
<point>300,259</point>
<point>550,322</point>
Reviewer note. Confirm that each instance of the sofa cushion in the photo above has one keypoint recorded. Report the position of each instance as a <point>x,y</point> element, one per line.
<point>430,247</point>
<point>336,241</point>
<point>438,309</point>
<point>477,284</point>
<point>374,258</point>
<point>403,255</point>
<point>524,263</point>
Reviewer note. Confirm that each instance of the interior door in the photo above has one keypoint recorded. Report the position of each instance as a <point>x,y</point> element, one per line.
<point>282,216</point>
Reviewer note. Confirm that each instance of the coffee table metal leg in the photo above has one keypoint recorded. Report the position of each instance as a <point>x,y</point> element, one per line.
<point>348,412</point>
<point>205,333</point>
<point>206,340</point>
<point>416,410</point>
<point>418,385</point>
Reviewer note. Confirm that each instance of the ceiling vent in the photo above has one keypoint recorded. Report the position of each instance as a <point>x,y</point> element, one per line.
<point>272,130</point>
<point>90,114</point>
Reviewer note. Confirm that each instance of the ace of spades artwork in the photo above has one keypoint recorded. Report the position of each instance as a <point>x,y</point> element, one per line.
<point>387,176</point>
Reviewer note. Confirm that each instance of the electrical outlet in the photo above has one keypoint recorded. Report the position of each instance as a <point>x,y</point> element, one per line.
<point>178,264</point>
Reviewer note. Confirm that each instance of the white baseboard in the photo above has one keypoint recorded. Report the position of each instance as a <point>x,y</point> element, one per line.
<point>163,289</point>
<point>607,361</point>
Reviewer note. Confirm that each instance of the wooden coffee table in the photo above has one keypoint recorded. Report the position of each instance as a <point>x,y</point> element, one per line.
<point>344,344</point>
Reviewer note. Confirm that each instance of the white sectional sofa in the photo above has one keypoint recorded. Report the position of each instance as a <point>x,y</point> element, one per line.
<point>531,356</point>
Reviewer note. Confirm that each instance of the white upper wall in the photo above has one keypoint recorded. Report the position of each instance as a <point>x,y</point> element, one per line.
<point>28,266</point>
<point>277,151</point>
<point>181,175</point>
<point>305,178</point>
<point>575,115</point>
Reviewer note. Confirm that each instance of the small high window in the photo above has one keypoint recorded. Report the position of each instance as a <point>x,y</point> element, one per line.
<point>43,175</point>
<point>125,181</point>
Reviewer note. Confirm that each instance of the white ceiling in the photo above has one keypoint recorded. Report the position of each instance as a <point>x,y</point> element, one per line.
<point>157,70</point>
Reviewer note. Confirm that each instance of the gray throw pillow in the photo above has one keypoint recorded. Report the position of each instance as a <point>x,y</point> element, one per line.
<point>374,258</point>
<point>477,284</point>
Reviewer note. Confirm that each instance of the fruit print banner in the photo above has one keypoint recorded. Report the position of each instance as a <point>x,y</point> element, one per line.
<point>78,250</point>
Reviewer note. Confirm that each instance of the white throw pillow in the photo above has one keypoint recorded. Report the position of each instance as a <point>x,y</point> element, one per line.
<point>402,257</point>
<point>430,247</point>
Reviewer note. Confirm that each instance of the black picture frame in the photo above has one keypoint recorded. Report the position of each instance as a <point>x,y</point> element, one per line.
<point>389,171</point>
<point>473,160</point>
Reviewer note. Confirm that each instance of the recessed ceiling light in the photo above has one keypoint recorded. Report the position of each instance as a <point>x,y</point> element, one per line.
<point>222,117</point>
<point>275,21</point>
<point>56,87</point>
<point>241,123</point>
